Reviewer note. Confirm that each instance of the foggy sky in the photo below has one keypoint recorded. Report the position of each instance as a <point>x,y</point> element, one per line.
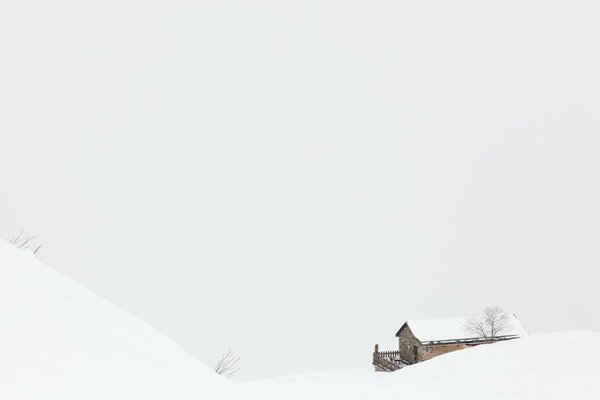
<point>295,179</point>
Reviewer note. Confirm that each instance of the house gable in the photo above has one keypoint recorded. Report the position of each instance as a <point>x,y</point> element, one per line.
<point>408,344</point>
<point>404,327</point>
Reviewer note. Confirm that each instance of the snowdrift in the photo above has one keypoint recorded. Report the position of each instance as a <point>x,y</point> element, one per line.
<point>60,341</point>
<point>563,365</point>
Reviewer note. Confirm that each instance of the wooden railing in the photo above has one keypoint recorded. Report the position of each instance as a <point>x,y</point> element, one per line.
<point>388,360</point>
<point>470,340</point>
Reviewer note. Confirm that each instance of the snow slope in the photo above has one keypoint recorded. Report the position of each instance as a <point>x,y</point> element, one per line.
<point>301,142</point>
<point>552,366</point>
<point>60,341</point>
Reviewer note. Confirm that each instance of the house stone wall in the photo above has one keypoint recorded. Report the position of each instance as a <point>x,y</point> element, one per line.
<point>412,351</point>
<point>426,352</point>
<point>408,345</point>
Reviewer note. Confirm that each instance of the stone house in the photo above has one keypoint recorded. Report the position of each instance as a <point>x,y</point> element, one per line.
<point>421,340</point>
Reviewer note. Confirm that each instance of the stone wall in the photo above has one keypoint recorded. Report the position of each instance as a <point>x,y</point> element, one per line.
<point>378,368</point>
<point>408,345</point>
<point>413,352</point>
<point>427,352</point>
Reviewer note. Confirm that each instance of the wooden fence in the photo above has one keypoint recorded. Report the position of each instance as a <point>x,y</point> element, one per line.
<point>388,360</point>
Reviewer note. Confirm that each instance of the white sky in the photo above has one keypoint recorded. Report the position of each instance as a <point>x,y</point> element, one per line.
<point>296,179</point>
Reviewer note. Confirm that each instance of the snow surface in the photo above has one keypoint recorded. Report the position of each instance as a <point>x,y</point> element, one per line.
<point>60,341</point>
<point>428,330</point>
<point>552,366</point>
<point>301,144</point>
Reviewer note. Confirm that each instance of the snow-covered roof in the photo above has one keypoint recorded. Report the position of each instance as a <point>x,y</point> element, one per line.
<point>450,329</point>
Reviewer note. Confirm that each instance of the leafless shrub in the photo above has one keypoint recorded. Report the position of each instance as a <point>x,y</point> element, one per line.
<point>227,364</point>
<point>23,241</point>
<point>489,324</point>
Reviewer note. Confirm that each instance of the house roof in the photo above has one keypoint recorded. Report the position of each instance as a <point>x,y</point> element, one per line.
<point>452,329</point>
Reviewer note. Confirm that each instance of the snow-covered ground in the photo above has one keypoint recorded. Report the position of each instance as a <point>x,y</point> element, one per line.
<point>59,341</point>
<point>564,365</point>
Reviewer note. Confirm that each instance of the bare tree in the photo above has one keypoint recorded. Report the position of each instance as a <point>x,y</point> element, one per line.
<point>489,324</point>
<point>22,241</point>
<point>227,364</point>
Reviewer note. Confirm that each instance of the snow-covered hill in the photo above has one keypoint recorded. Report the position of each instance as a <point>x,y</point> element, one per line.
<point>551,366</point>
<point>59,341</point>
